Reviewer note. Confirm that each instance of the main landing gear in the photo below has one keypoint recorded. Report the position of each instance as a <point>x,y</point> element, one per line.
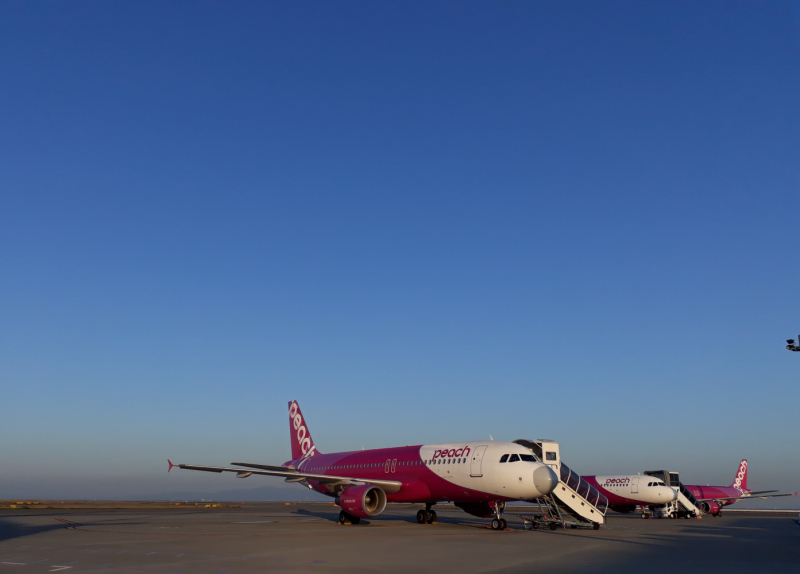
<point>498,522</point>
<point>345,518</point>
<point>426,516</point>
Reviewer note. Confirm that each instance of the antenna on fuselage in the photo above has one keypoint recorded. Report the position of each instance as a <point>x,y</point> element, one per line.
<point>490,437</point>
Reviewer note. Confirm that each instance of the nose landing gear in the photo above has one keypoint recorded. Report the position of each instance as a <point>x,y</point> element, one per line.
<point>498,522</point>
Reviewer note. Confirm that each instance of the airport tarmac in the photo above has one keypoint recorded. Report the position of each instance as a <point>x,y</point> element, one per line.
<point>305,537</point>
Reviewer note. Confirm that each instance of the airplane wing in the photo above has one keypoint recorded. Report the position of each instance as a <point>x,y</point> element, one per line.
<point>746,497</point>
<point>292,475</point>
<point>751,493</point>
<point>277,468</point>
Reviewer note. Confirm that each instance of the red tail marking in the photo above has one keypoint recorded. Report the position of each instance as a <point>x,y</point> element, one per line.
<point>170,465</point>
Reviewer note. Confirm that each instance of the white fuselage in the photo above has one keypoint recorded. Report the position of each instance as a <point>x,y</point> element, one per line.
<point>478,466</point>
<point>621,489</point>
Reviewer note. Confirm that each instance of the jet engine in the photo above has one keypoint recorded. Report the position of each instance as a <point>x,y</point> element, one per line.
<point>363,501</point>
<point>712,507</point>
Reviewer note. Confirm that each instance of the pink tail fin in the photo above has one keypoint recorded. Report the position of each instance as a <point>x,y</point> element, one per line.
<point>740,480</point>
<point>302,445</point>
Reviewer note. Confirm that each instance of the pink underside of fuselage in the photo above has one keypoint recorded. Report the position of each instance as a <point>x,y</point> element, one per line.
<point>420,483</point>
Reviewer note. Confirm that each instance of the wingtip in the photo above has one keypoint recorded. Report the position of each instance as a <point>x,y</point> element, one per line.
<point>170,465</point>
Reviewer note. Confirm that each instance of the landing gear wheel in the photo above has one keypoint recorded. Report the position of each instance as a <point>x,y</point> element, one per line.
<point>553,526</point>
<point>503,524</point>
<point>495,524</point>
<point>596,526</point>
<point>432,517</point>
<point>422,517</point>
<point>644,515</point>
<point>343,517</point>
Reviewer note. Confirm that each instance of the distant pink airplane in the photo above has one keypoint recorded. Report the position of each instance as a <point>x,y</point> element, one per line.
<point>713,498</point>
<point>478,476</point>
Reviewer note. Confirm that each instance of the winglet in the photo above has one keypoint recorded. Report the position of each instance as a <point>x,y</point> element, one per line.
<point>170,465</point>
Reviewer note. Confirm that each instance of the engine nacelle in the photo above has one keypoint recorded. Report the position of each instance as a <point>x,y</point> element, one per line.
<point>362,501</point>
<point>710,507</point>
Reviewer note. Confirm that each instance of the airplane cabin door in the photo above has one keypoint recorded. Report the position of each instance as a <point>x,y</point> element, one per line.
<point>635,485</point>
<point>475,468</point>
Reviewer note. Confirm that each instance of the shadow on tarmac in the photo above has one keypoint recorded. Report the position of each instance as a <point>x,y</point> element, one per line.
<point>10,529</point>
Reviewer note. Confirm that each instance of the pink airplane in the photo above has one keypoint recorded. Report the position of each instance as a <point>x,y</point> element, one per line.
<point>656,489</point>
<point>713,498</point>
<point>478,476</point>
<point>627,491</point>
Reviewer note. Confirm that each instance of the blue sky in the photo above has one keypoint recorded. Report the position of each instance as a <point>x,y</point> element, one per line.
<point>425,221</point>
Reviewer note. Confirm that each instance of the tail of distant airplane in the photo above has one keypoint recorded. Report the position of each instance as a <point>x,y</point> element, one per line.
<point>740,481</point>
<point>302,445</point>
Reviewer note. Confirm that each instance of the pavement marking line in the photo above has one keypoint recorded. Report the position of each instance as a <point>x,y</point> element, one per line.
<point>58,568</point>
<point>256,522</point>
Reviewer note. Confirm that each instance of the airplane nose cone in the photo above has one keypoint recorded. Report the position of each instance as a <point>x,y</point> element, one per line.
<point>673,494</point>
<point>545,480</point>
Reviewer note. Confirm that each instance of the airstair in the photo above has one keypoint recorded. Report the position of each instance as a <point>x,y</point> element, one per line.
<point>573,495</point>
<point>686,506</point>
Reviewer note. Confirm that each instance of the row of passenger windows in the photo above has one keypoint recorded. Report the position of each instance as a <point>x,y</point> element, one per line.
<point>504,458</point>
<point>517,458</point>
<point>399,463</point>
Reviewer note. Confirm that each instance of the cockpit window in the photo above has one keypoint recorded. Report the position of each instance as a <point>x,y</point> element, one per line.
<point>514,458</point>
<point>528,457</point>
<point>504,458</point>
